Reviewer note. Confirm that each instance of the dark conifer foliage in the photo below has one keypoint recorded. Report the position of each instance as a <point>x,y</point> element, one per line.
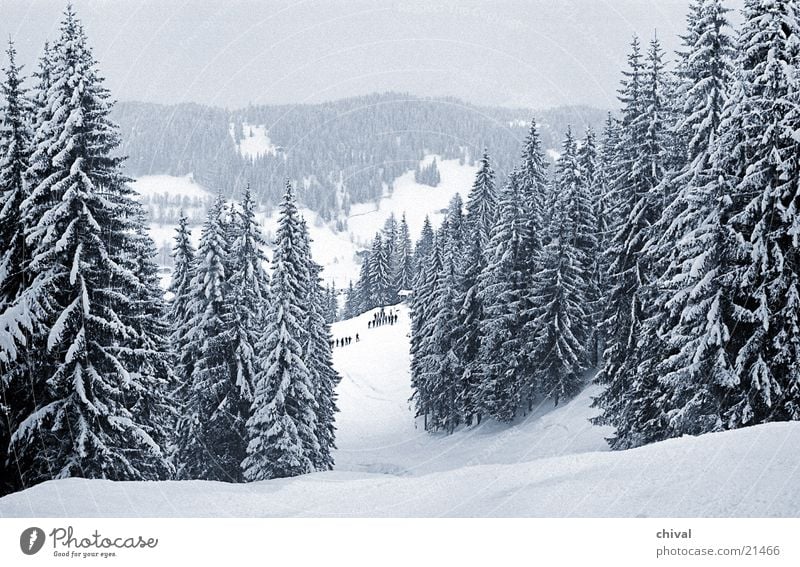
<point>88,309</point>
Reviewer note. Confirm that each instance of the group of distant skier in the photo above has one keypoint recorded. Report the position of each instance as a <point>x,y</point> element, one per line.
<point>383,318</point>
<point>344,341</point>
<point>378,319</point>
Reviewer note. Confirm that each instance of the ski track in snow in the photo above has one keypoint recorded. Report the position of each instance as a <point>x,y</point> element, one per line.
<point>552,463</point>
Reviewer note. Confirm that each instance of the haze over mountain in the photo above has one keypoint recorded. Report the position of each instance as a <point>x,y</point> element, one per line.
<point>537,54</point>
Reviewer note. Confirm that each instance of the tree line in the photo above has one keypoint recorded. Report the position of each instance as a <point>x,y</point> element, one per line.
<point>666,254</point>
<point>100,376</point>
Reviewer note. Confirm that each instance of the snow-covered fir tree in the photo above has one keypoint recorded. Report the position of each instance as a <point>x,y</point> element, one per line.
<point>424,246</point>
<point>15,136</point>
<point>428,268</point>
<point>501,291</point>
<point>380,273</point>
<point>282,428</point>
<point>80,303</point>
<point>627,401</point>
<point>593,189</point>
<point>403,277</point>
<point>318,358</point>
<point>351,302</point>
<point>562,291</point>
<point>180,308</point>
<point>331,304</point>
<point>441,366</point>
<point>533,188</point>
<point>210,434</point>
<point>247,295</point>
<point>695,289</point>
<point>365,296</point>
<point>482,204</point>
<point>760,165</point>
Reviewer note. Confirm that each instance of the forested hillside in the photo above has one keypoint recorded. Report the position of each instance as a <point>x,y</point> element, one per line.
<point>338,153</point>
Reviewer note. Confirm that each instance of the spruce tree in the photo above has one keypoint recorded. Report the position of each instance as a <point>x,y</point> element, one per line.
<point>629,399</point>
<point>180,308</point>
<point>77,307</point>
<point>558,319</point>
<point>403,276</point>
<point>593,189</point>
<point>482,204</point>
<point>422,312</point>
<point>533,188</point>
<point>424,246</point>
<point>379,273</point>
<point>501,290</point>
<point>364,289</point>
<point>208,435</point>
<point>246,299</point>
<point>441,365</point>
<point>283,422</point>
<point>760,163</point>
<point>696,366</point>
<point>15,136</point>
<point>318,359</point>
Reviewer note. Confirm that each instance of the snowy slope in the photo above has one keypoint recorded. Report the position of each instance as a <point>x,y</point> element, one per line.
<point>551,464</point>
<point>335,251</point>
<point>255,141</point>
<point>376,427</point>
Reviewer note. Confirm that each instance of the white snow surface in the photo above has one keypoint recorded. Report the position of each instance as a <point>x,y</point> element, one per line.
<point>552,463</point>
<point>183,185</point>
<point>255,141</point>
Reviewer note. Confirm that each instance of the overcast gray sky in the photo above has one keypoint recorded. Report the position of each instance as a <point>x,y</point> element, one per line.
<point>533,53</point>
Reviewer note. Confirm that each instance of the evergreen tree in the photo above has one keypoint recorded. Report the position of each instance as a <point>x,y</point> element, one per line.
<point>592,190</point>
<point>351,303</point>
<point>318,359</point>
<point>629,401</point>
<point>364,289</point>
<point>441,365</point>
<point>78,306</point>
<point>558,319</point>
<point>501,289</point>
<point>761,166</point>
<point>482,204</point>
<point>404,268</point>
<point>424,246</point>
<point>246,299</point>
<point>533,192</point>
<point>379,273</point>
<point>390,232</point>
<point>180,308</point>
<point>15,137</point>
<point>208,435</point>
<point>429,267</point>
<point>148,351</point>
<point>696,367</point>
<point>283,422</point>
<point>331,304</point>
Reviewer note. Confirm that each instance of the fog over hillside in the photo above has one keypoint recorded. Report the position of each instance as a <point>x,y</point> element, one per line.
<point>533,53</point>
